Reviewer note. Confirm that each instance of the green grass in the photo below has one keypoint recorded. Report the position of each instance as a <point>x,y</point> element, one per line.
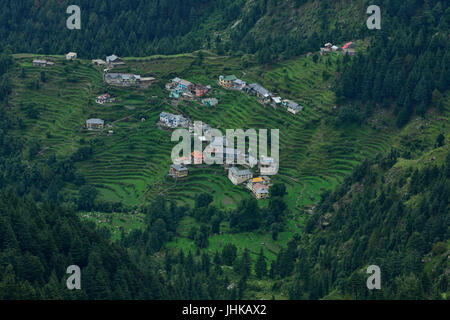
<point>117,223</point>
<point>131,165</point>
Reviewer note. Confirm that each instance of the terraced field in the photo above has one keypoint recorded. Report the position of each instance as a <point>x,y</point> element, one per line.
<point>131,165</point>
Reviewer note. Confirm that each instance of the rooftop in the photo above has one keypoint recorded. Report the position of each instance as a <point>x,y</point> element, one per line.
<point>236,172</point>
<point>230,77</point>
<point>95,121</point>
<point>260,89</point>
<point>178,167</point>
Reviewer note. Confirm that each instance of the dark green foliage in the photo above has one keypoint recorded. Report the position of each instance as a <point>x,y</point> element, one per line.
<point>406,65</point>
<point>229,253</point>
<point>378,226</point>
<point>247,216</point>
<point>261,265</point>
<point>38,243</point>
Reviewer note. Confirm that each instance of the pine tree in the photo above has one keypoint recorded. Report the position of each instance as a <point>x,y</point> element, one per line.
<point>261,265</point>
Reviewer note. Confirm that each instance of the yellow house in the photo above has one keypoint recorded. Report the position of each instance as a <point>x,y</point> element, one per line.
<point>227,81</point>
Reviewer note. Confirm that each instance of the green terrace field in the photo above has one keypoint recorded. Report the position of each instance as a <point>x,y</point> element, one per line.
<point>131,164</point>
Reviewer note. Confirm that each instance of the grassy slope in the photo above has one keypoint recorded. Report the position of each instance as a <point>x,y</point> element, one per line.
<point>131,165</point>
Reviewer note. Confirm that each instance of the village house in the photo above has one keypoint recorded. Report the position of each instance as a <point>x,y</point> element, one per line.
<point>200,90</point>
<point>122,79</point>
<point>263,180</point>
<point>104,98</point>
<point>42,63</point>
<point>173,120</point>
<point>268,166</point>
<point>237,176</point>
<point>227,81</point>
<point>176,93</point>
<point>71,56</point>
<point>258,90</point>
<point>260,191</point>
<point>239,84</point>
<point>182,84</point>
<point>292,106</point>
<point>276,101</point>
<point>178,171</point>
<point>210,102</point>
<point>94,124</point>
<point>98,62</point>
<point>328,47</point>
<point>113,61</point>
<point>324,51</point>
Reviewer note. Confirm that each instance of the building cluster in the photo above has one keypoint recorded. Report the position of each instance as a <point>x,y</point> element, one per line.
<point>263,95</point>
<point>42,63</point>
<point>71,56</point>
<point>181,88</point>
<point>173,120</point>
<point>347,49</point>
<point>104,98</point>
<point>219,147</point>
<point>127,79</point>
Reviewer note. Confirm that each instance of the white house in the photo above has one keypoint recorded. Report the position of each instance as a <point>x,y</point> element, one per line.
<point>104,98</point>
<point>237,176</point>
<point>94,123</point>
<point>71,56</point>
<point>292,106</point>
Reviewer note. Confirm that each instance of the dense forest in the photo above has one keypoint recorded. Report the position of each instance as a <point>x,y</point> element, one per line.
<point>398,220</point>
<point>406,67</point>
<point>142,28</point>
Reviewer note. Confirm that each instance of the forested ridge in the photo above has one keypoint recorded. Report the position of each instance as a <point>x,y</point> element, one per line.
<point>143,28</point>
<point>383,214</point>
<point>406,67</point>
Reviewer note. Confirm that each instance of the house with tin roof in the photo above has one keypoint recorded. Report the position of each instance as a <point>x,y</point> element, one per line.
<point>258,90</point>
<point>238,176</point>
<point>227,81</point>
<point>42,63</point>
<point>173,120</point>
<point>178,171</point>
<point>113,61</point>
<point>292,106</point>
<point>260,191</point>
<point>95,124</point>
